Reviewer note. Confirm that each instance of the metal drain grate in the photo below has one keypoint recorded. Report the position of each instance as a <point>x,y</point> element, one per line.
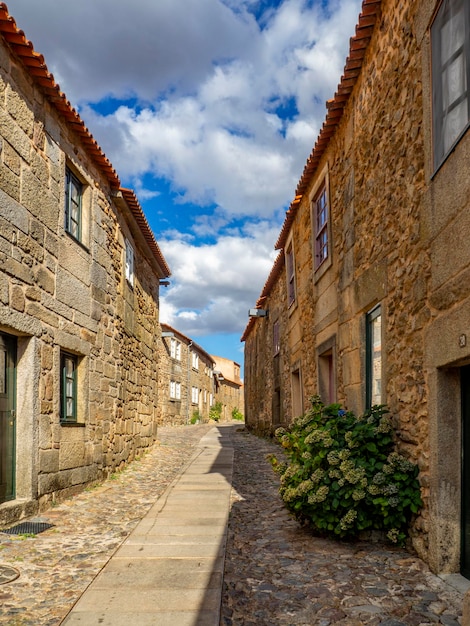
<point>27,528</point>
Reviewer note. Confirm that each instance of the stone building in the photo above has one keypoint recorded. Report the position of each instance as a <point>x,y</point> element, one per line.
<point>187,378</point>
<point>368,301</point>
<point>79,290</point>
<point>229,387</point>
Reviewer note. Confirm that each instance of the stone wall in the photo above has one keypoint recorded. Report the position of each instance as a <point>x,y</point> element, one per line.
<point>179,369</point>
<point>59,294</point>
<point>398,235</point>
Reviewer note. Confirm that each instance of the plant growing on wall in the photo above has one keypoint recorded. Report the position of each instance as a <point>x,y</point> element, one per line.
<point>215,412</point>
<point>343,475</point>
<point>236,414</point>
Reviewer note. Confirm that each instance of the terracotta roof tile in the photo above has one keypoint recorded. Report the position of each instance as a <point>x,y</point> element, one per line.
<point>335,107</point>
<point>137,212</point>
<point>269,284</point>
<point>188,340</point>
<point>37,69</point>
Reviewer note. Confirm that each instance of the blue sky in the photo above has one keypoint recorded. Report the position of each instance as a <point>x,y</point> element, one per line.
<point>208,109</point>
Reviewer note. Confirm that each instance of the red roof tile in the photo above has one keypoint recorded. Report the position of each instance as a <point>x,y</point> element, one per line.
<point>269,284</point>
<point>335,107</point>
<point>136,210</point>
<point>37,69</point>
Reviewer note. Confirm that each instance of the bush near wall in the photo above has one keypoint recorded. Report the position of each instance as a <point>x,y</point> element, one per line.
<point>344,476</point>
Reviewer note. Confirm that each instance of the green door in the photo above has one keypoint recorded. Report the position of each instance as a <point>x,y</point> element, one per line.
<point>7,417</point>
<point>465,531</point>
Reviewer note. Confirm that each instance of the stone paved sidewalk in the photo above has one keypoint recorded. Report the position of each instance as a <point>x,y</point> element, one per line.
<point>276,573</point>
<point>57,565</point>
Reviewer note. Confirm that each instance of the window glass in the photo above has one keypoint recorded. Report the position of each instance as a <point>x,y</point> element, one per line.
<point>129,263</point>
<point>73,205</point>
<point>290,267</point>
<point>451,75</point>
<point>68,390</point>
<point>321,227</point>
<point>276,339</point>
<point>374,357</point>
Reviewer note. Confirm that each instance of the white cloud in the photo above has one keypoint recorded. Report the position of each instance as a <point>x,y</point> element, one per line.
<point>215,285</point>
<point>225,108</point>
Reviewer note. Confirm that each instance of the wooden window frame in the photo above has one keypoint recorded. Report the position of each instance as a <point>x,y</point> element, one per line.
<point>66,381</point>
<point>440,111</point>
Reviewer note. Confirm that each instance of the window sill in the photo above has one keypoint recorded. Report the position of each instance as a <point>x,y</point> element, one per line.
<point>450,152</point>
<point>73,424</point>
<point>322,269</point>
<point>78,242</point>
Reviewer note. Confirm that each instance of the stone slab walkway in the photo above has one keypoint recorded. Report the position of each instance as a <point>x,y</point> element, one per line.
<point>152,538</point>
<point>169,570</point>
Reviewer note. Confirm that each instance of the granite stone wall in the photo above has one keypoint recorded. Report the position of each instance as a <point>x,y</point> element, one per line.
<point>398,238</point>
<point>59,294</point>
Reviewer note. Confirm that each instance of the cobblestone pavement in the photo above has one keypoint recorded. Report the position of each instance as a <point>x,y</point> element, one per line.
<point>57,565</point>
<point>276,573</point>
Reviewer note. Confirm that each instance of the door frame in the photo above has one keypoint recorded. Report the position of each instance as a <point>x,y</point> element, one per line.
<point>10,345</point>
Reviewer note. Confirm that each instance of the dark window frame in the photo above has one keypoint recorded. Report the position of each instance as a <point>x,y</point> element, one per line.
<point>321,212</point>
<point>371,317</point>
<point>290,271</point>
<point>440,112</point>
<point>73,219</point>
<point>66,380</point>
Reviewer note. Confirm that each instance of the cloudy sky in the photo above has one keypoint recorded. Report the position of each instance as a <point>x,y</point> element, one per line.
<point>208,109</point>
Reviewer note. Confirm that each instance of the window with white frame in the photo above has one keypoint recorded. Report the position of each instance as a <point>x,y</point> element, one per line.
<point>129,262</point>
<point>195,360</point>
<point>290,269</point>
<point>175,349</point>
<point>450,40</point>
<point>175,390</point>
<point>194,395</point>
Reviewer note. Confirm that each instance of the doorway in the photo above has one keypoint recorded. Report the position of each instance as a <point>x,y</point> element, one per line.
<point>465,521</point>
<point>7,416</point>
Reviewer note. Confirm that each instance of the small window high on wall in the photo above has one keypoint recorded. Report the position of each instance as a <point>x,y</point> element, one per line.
<point>290,269</point>
<point>374,357</point>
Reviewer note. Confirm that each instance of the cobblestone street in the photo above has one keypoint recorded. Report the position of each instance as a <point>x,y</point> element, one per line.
<point>275,571</point>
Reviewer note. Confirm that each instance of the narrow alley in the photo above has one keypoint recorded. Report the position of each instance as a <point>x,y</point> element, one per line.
<point>275,571</point>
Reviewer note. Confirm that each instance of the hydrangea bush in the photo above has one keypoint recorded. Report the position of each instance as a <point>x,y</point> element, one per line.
<point>343,475</point>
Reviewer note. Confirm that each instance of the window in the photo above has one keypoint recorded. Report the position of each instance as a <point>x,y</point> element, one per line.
<point>194,395</point>
<point>195,360</point>
<point>450,37</point>
<point>296,386</point>
<point>73,205</point>
<point>129,263</point>
<point>175,349</point>
<point>374,357</point>
<point>320,213</point>
<point>175,390</point>
<point>276,338</point>
<point>68,387</point>
<point>211,399</point>
<point>205,396</point>
<point>290,268</point>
